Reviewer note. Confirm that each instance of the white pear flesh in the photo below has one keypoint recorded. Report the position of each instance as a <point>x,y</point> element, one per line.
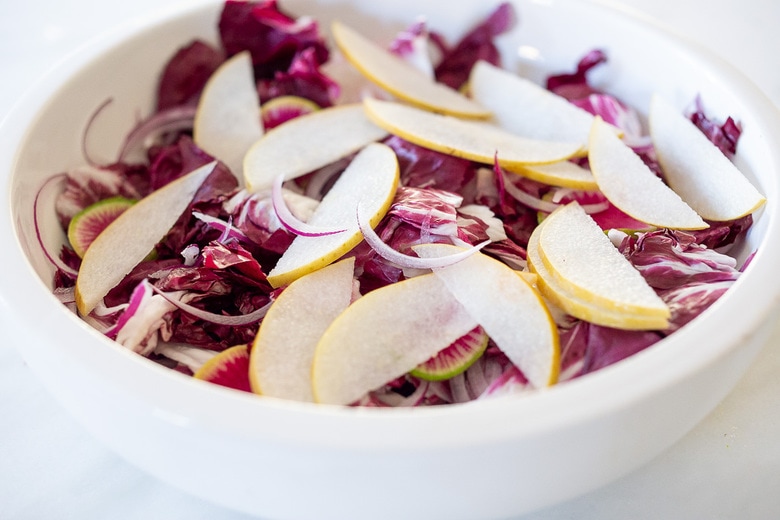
<point>371,180</point>
<point>400,78</point>
<point>522,107</point>
<point>583,308</point>
<point>696,169</point>
<point>583,260</point>
<point>125,242</point>
<point>306,143</point>
<point>510,311</point>
<point>227,119</point>
<point>283,350</point>
<point>473,140</point>
<point>384,335</point>
<point>630,185</point>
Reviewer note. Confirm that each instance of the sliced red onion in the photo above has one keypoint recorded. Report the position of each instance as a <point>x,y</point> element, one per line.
<point>174,119</point>
<point>53,259</point>
<point>220,319</point>
<point>226,228</point>
<point>290,222</point>
<point>408,261</point>
<point>85,132</point>
<point>548,206</point>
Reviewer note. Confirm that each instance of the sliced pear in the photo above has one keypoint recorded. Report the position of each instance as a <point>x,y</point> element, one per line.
<point>507,307</point>
<point>524,108</point>
<point>307,143</point>
<point>370,180</point>
<point>280,363</point>
<point>227,120</point>
<point>473,140</point>
<point>583,260</point>
<point>130,238</point>
<point>384,335</point>
<point>696,169</point>
<point>565,174</point>
<point>628,183</point>
<point>400,78</point>
<point>582,308</point>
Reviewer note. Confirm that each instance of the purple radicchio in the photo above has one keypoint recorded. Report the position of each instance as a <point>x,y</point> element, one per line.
<point>272,36</point>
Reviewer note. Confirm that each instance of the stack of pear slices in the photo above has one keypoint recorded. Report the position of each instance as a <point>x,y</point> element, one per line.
<point>323,342</point>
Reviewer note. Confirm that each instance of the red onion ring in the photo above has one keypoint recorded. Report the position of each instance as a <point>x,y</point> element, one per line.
<point>174,119</point>
<point>54,260</point>
<point>408,261</point>
<point>220,319</point>
<point>290,222</point>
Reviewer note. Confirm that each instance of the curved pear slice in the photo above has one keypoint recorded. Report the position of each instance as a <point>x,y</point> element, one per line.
<point>696,169</point>
<point>384,335</point>
<point>527,109</point>
<point>370,180</point>
<point>632,187</point>
<point>227,120</point>
<point>582,308</point>
<point>508,309</point>
<point>307,143</point>
<point>280,363</point>
<point>400,78</point>
<point>473,140</point>
<point>583,260</point>
<point>129,238</point>
<point>565,174</point>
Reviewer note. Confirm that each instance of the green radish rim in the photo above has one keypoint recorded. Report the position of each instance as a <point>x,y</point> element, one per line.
<point>88,223</point>
<point>455,359</point>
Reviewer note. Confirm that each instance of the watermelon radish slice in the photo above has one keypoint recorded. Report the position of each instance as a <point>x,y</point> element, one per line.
<point>87,224</point>
<point>454,359</point>
<point>276,111</point>
<point>229,368</point>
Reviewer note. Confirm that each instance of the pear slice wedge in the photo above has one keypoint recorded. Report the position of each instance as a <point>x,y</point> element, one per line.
<point>632,186</point>
<point>131,237</point>
<point>473,140</point>
<point>582,260</point>
<point>282,353</point>
<point>384,335</point>
<point>308,142</point>
<point>696,169</point>
<point>400,78</point>
<point>227,119</point>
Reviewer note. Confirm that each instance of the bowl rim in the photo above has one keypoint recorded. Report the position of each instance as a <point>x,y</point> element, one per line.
<point>549,409</point>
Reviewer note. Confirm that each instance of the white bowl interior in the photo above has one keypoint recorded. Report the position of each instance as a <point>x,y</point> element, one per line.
<point>325,452</point>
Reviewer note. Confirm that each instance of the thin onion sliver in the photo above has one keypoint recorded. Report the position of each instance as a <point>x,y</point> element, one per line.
<point>290,222</point>
<point>408,261</point>
<point>55,261</point>
<point>220,319</point>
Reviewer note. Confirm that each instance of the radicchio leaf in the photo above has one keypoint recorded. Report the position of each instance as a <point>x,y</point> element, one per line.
<point>303,79</point>
<point>272,37</point>
<point>455,66</point>
<point>186,73</point>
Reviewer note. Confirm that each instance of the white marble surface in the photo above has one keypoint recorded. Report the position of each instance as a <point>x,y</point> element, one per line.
<point>727,467</point>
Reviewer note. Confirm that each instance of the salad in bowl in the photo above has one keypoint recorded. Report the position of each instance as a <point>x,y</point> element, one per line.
<point>271,191</point>
<point>451,243</point>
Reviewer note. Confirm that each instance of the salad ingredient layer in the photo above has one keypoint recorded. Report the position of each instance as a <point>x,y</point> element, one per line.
<point>397,223</point>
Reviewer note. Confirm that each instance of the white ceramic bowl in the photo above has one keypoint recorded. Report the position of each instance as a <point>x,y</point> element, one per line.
<point>277,459</point>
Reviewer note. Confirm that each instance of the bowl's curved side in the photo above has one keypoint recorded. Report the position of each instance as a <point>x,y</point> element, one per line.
<point>495,458</point>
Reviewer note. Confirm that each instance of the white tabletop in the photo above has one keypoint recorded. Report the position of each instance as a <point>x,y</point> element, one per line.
<point>727,467</point>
